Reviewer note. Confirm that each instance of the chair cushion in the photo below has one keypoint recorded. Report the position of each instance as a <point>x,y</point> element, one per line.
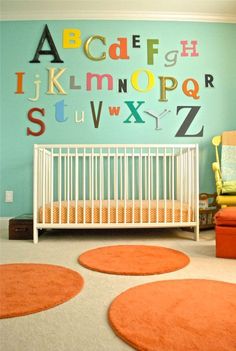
<point>229,187</point>
<point>226,217</point>
<point>228,156</point>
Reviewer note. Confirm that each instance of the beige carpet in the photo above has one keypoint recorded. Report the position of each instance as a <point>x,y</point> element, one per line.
<point>81,324</point>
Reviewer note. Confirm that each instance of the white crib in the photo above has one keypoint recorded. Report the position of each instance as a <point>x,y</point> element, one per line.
<point>115,186</point>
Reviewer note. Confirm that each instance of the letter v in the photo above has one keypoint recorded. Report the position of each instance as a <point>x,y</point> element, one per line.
<point>96,118</point>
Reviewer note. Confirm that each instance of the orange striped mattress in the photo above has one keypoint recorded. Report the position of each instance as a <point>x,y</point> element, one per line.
<point>120,211</point>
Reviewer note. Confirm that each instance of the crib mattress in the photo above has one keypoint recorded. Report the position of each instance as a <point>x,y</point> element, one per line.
<point>107,212</point>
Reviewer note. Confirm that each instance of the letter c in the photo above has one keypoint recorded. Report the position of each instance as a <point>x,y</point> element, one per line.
<point>86,48</point>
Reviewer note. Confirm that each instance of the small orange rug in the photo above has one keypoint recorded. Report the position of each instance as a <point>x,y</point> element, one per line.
<point>177,315</point>
<point>28,288</point>
<point>133,259</point>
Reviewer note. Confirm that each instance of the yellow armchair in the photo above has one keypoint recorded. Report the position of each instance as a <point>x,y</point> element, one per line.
<point>226,190</point>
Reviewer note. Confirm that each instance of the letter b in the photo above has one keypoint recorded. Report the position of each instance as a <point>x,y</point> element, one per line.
<point>71,38</point>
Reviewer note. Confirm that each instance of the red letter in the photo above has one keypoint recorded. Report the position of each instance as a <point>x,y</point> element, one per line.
<point>37,121</point>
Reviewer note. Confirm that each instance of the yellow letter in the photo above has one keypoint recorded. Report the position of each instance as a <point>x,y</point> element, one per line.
<point>71,38</point>
<point>151,80</point>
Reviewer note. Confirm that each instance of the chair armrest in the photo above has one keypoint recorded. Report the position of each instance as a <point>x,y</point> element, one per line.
<point>218,179</point>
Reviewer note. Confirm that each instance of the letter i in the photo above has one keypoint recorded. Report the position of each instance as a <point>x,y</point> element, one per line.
<point>19,89</point>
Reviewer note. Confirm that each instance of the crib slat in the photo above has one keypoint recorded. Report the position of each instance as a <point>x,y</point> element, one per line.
<point>164,185</point>
<point>151,178</point>
<point>92,185</point>
<point>189,183</point>
<point>68,185</point>
<point>84,187</point>
<point>193,183</point>
<point>116,184</point>
<point>65,175</point>
<point>108,188</point>
<point>44,183</point>
<point>121,179</point>
<point>96,177</point>
<point>76,185</point>
<point>100,186</point>
<point>59,185</point>
<point>148,181</point>
<point>157,185</point>
<point>181,184</point>
<point>133,183</point>
<point>173,184</point>
<point>71,178</point>
<point>141,185</point>
<point>125,185</point>
<point>51,185</point>
<point>145,176</point>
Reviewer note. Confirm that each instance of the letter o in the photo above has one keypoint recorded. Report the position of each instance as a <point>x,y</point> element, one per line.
<point>151,80</point>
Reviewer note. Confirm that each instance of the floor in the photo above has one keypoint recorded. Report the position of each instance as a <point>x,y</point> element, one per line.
<point>81,323</point>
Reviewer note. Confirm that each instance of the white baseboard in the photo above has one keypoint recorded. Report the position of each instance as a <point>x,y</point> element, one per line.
<point>4,221</point>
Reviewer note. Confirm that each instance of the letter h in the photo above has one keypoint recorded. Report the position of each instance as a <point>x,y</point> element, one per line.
<point>192,48</point>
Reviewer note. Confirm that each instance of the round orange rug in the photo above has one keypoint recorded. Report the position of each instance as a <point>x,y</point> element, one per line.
<point>28,288</point>
<point>192,315</point>
<point>133,259</point>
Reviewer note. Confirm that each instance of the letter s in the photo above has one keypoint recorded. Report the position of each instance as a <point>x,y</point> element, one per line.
<point>37,121</point>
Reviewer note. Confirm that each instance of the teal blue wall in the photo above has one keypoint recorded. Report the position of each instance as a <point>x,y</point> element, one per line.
<point>19,40</point>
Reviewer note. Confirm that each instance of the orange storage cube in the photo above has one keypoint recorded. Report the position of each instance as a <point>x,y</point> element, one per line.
<point>225,220</point>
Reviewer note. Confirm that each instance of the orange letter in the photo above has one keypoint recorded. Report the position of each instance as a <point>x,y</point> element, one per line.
<point>19,89</point>
<point>122,47</point>
<point>191,92</point>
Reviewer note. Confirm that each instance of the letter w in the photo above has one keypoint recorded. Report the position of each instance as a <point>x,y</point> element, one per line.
<point>114,110</point>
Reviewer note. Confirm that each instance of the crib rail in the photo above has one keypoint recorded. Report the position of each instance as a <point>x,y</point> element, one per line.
<point>96,185</point>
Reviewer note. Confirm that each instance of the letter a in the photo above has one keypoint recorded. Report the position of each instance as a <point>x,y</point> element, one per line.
<point>46,35</point>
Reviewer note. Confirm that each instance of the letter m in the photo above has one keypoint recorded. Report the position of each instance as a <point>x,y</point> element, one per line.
<point>99,78</point>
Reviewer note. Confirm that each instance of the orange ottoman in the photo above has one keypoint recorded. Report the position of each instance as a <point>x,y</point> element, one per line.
<point>225,220</point>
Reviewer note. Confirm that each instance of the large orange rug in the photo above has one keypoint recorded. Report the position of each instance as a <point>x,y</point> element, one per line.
<point>133,259</point>
<point>177,315</point>
<point>28,288</point>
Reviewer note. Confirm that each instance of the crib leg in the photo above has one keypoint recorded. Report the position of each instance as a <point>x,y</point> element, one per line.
<point>196,232</point>
<point>35,234</point>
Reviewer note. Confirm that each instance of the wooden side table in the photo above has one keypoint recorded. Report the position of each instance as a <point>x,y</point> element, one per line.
<point>207,212</point>
<point>21,227</point>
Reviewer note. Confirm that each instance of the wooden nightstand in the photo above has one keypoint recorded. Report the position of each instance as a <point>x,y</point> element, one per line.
<point>207,213</point>
<point>21,227</point>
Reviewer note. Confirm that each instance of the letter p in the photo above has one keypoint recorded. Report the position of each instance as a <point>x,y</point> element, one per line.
<point>164,87</point>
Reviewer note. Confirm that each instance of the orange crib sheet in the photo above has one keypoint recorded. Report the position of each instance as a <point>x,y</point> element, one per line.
<point>120,211</point>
